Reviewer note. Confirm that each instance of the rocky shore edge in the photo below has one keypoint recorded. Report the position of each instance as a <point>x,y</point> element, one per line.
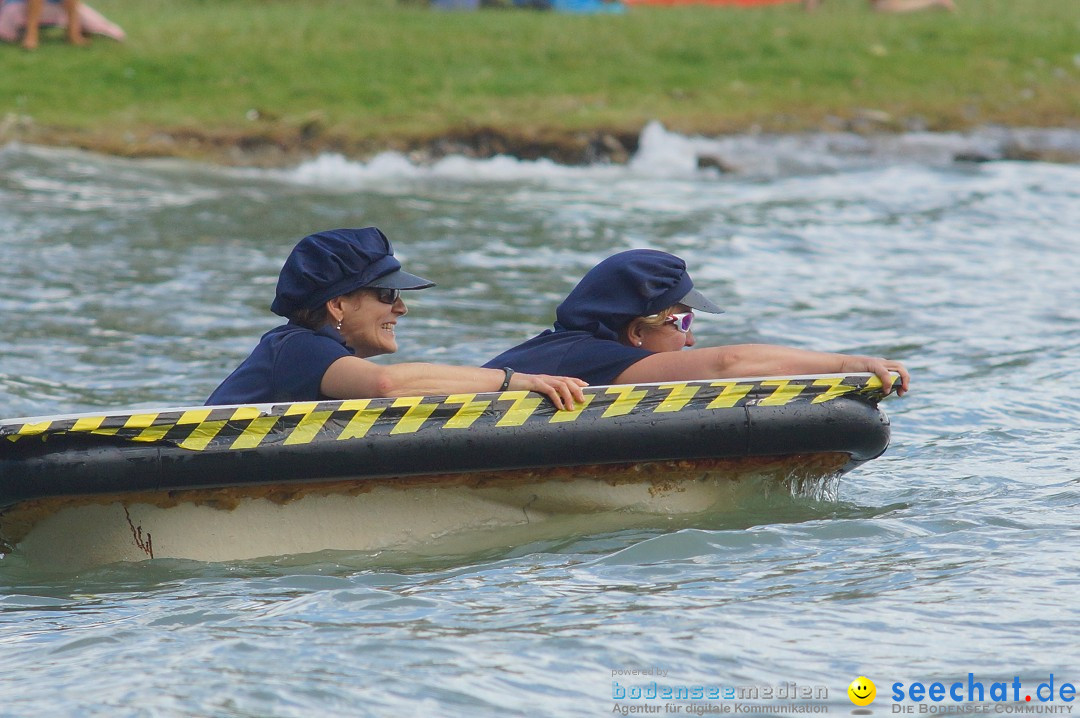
<point>275,145</point>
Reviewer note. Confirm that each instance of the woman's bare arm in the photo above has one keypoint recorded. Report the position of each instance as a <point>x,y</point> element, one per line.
<point>355,378</point>
<point>756,360</point>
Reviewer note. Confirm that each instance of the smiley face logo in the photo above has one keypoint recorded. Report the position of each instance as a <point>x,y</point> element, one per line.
<point>862,691</point>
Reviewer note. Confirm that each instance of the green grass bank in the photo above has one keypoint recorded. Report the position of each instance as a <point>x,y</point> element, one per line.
<point>263,81</point>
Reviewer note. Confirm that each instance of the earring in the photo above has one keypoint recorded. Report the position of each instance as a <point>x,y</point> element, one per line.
<point>338,325</point>
<point>639,342</point>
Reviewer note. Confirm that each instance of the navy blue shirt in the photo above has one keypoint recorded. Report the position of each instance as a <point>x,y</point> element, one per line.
<point>571,353</point>
<point>287,365</point>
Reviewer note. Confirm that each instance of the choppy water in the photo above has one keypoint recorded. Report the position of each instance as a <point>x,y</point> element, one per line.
<point>143,283</point>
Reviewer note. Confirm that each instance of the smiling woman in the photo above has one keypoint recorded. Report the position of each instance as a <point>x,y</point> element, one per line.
<point>341,292</point>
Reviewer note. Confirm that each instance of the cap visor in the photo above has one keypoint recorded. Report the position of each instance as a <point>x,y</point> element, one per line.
<point>696,300</point>
<point>401,280</point>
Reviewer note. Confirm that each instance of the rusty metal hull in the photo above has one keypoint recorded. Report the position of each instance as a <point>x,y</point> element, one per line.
<point>409,517</point>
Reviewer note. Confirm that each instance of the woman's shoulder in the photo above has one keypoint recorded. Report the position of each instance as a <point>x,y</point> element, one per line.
<point>290,343</point>
<point>542,344</point>
<point>293,333</point>
<point>571,353</point>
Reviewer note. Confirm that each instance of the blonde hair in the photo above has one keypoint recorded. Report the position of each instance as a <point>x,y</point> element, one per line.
<point>652,320</point>
<point>658,319</point>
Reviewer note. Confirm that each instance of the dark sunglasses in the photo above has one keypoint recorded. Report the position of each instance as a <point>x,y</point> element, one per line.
<point>386,295</point>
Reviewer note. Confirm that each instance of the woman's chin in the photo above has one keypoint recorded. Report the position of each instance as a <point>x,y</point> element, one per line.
<point>385,348</point>
<point>366,352</point>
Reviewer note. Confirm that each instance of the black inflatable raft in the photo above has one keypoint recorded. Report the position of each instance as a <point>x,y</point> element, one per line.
<point>685,425</point>
<point>204,447</point>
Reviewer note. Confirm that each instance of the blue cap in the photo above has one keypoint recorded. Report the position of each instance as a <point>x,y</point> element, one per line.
<point>335,262</point>
<point>630,284</point>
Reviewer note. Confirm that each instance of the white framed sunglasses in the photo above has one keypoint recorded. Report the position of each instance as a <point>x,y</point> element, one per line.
<point>682,321</point>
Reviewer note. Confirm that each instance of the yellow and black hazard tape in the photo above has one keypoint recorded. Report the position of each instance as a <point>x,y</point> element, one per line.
<point>249,427</point>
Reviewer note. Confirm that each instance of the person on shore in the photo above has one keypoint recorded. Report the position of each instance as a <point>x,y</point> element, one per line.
<point>28,16</point>
<point>33,22</point>
<point>341,292</point>
<point>895,5</point>
<point>628,319</point>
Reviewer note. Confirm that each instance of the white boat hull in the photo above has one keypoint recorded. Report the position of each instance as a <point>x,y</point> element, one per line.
<point>412,517</point>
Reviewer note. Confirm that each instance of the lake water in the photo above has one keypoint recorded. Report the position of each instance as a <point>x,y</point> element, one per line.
<point>142,283</point>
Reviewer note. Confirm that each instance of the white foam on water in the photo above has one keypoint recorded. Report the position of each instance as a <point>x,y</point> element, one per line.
<point>662,154</point>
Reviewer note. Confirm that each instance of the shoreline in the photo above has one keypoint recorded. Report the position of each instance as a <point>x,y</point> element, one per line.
<point>573,90</point>
<point>276,145</point>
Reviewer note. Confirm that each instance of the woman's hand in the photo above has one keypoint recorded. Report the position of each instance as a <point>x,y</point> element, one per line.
<point>881,367</point>
<point>562,390</point>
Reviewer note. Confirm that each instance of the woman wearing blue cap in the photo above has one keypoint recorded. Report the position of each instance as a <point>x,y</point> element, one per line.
<point>341,292</point>
<point>628,318</point>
